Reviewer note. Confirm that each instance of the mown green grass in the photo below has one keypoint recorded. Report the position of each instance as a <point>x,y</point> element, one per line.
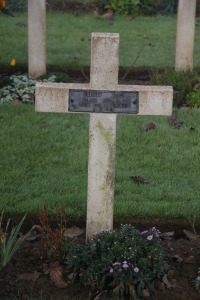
<point>68,40</point>
<point>44,159</point>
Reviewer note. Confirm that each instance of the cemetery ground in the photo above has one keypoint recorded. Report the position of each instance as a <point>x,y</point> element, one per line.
<point>37,167</point>
<point>151,40</point>
<point>44,160</point>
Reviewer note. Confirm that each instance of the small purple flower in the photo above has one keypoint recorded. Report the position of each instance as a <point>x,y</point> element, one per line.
<point>150,237</point>
<point>111,270</point>
<point>125,265</point>
<point>157,232</point>
<point>136,269</point>
<point>120,270</point>
<point>116,264</point>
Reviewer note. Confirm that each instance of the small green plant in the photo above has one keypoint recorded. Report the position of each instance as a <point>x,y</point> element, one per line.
<point>193,98</point>
<point>52,240</point>
<point>126,7</point>
<point>103,4</point>
<point>20,88</point>
<point>17,5</point>
<point>10,242</point>
<point>125,261</point>
<point>182,82</point>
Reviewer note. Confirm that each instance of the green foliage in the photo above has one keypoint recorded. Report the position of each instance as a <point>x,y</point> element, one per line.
<point>182,82</point>
<point>7,12</point>
<point>66,43</point>
<point>147,7</point>
<point>125,259</point>
<point>193,98</point>
<point>40,171</point>
<point>197,281</point>
<point>20,88</point>
<point>121,6</point>
<point>139,7</point>
<point>125,7</point>
<point>17,5</point>
<point>103,4</point>
<point>10,242</point>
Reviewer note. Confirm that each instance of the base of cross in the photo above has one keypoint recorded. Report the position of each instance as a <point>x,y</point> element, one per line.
<point>103,98</point>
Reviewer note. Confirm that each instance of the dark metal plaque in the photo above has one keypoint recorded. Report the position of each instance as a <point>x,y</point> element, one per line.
<point>103,101</point>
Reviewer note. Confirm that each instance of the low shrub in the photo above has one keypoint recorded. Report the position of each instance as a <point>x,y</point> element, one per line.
<point>125,7</point>
<point>125,261</point>
<point>20,88</point>
<point>193,98</point>
<point>183,83</point>
<point>17,5</point>
<point>52,241</point>
<point>139,7</point>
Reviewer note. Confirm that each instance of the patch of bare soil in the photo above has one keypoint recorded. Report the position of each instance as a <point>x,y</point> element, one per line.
<point>28,274</point>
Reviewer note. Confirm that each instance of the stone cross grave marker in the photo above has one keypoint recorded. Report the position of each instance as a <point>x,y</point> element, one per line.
<point>185,35</point>
<point>36,38</point>
<point>103,98</point>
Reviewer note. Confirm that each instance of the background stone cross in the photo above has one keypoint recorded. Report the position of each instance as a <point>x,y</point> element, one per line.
<point>55,97</point>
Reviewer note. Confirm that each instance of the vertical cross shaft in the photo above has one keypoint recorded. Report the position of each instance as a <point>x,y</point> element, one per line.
<point>102,136</point>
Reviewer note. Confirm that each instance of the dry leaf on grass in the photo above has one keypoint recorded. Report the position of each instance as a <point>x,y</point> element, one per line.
<point>178,258</point>
<point>149,126</point>
<point>189,234</point>
<point>48,267</point>
<point>167,235</point>
<point>70,276</point>
<point>33,236</point>
<point>166,282</point>
<point>56,278</point>
<point>190,260</point>
<point>140,179</point>
<point>29,276</point>
<point>73,232</point>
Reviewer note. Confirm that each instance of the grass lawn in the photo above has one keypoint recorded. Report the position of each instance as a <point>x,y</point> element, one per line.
<point>44,159</point>
<point>44,156</point>
<point>68,40</point>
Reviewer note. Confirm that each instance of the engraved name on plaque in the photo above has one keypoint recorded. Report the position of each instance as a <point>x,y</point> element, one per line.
<point>103,101</point>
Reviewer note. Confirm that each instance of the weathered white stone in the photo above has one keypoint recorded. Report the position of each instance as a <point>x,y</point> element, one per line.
<point>36,38</point>
<point>54,97</point>
<point>185,35</point>
<point>102,136</point>
<point>104,61</point>
<point>153,100</point>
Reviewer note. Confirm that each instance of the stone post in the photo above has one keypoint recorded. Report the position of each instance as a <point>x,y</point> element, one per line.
<point>102,136</point>
<point>185,35</point>
<point>36,38</point>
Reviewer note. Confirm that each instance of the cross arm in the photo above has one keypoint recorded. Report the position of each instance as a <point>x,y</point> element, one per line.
<point>153,100</point>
